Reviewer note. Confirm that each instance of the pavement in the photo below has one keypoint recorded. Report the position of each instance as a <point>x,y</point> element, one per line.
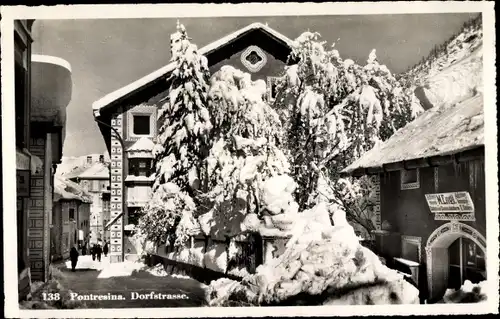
<point>130,280</point>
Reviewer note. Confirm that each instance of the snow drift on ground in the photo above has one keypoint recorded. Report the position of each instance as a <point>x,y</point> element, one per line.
<point>322,264</point>
<point>468,293</point>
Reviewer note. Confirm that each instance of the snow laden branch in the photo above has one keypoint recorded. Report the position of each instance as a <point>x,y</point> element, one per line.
<point>245,153</point>
<point>334,110</point>
<point>183,144</point>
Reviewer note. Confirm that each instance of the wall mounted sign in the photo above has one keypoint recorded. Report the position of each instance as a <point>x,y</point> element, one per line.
<point>451,206</point>
<point>23,183</point>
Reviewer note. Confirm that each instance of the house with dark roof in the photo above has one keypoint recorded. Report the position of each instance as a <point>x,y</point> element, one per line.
<point>127,118</point>
<point>432,197</point>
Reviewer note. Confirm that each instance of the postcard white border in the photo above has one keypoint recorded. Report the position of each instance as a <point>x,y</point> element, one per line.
<point>247,10</point>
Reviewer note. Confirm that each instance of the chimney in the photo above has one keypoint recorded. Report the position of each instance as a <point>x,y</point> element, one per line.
<point>101,159</point>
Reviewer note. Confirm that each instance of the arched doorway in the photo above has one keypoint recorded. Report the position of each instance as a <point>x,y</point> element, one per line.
<point>438,253</point>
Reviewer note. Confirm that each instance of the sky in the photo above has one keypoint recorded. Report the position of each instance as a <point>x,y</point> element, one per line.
<point>107,54</point>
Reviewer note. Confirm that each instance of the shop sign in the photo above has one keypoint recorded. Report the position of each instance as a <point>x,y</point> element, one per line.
<point>451,206</point>
<point>23,183</point>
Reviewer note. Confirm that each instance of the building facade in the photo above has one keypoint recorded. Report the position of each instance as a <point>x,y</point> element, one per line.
<point>127,119</point>
<point>70,219</point>
<point>432,197</point>
<point>95,181</point>
<point>43,90</point>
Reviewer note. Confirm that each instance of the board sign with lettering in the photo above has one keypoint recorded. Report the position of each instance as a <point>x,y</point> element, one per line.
<point>456,205</point>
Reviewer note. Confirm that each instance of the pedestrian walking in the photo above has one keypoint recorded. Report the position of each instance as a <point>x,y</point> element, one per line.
<point>92,252</point>
<point>105,249</point>
<point>98,252</point>
<point>84,249</point>
<point>73,255</point>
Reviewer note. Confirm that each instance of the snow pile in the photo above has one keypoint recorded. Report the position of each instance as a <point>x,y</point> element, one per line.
<point>192,256</point>
<point>322,264</point>
<point>52,286</point>
<point>468,293</point>
<point>216,258</point>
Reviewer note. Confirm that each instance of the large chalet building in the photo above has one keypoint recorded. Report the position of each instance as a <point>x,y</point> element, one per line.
<point>127,119</point>
<point>432,197</point>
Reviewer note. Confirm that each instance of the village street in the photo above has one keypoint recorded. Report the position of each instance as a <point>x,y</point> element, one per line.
<point>101,278</point>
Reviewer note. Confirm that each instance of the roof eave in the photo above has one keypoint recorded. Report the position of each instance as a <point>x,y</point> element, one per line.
<point>116,97</point>
<point>458,156</point>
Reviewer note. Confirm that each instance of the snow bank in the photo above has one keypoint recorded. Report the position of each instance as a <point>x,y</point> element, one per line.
<point>322,264</point>
<point>51,286</point>
<point>216,258</point>
<point>468,293</point>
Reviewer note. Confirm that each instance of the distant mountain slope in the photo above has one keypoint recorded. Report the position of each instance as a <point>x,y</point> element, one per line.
<point>452,72</point>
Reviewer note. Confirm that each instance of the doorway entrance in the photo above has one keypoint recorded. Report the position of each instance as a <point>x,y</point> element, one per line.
<point>455,252</point>
<point>467,262</point>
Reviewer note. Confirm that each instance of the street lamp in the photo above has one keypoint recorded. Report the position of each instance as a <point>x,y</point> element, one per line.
<point>120,139</point>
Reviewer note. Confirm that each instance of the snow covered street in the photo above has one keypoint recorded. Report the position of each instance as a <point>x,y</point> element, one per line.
<point>139,285</point>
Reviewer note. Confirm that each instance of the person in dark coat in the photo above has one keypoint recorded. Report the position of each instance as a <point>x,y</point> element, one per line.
<point>84,249</point>
<point>105,249</point>
<point>99,252</point>
<point>92,252</point>
<point>73,255</point>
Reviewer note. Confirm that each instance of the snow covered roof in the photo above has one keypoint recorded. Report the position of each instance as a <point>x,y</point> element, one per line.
<point>143,148</point>
<point>133,178</point>
<point>436,132</point>
<point>68,190</point>
<point>96,171</point>
<point>125,91</point>
<point>143,144</point>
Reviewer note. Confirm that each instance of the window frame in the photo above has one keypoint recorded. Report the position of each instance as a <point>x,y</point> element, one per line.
<point>257,66</point>
<point>415,241</point>
<point>134,168</point>
<point>141,110</point>
<point>271,80</point>
<point>411,185</point>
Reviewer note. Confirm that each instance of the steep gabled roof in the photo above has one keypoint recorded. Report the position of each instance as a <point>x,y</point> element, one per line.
<point>438,131</point>
<point>96,171</point>
<point>122,93</point>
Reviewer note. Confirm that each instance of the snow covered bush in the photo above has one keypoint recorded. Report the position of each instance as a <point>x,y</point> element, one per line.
<point>183,142</point>
<point>321,264</point>
<point>333,111</point>
<point>247,136</point>
<point>167,215</point>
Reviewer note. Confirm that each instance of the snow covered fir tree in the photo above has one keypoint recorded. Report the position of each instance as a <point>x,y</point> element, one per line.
<point>250,180</point>
<point>230,163</point>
